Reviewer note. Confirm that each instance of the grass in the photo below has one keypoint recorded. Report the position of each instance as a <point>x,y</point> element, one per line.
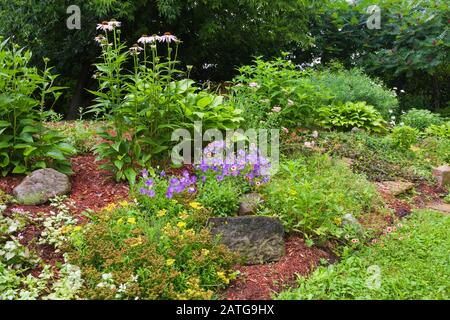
<point>411,263</point>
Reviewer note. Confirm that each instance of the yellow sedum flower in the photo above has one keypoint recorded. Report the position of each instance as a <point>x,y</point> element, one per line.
<point>195,205</point>
<point>170,262</point>
<point>338,221</point>
<point>205,252</point>
<point>120,222</point>
<point>293,192</point>
<point>77,228</point>
<point>184,215</point>
<point>223,277</point>
<point>124,203</point>
<point>131,220</point>
<point>181,225</point>
<point>110,207</point>
<point>161,213</point>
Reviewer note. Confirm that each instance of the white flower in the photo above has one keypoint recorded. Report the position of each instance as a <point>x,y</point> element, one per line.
<point>286,130</point>
<point>310,145</point>
<point>107,276</point>
<point>315,134</point>
<point>148,39</point>
<point>402,91</point>
<point>253,85</point>
<point>114,24</point>
<point>395,88</point>
<point>290,103</point>
<point>105,26</point>
<point>167,37</point>
<point>390,111</point>
<point>276,109</point>
<point>135,50</point>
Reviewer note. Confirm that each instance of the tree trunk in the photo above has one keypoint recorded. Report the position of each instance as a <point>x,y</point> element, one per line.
<point>78,99</point>
<point>436,92</point>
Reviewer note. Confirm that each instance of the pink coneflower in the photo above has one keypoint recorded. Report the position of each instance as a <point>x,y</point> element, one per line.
<point>167,37</point>
<point>355,240</point>
<point>114,23</point>
<point>135,50</point>
<point>253,85</point>
<point>276,109</point>
<point>105,26</point>
<point>389,229</point>
<point>148,39</point>
<point>100,39</point>
<point>374,241</point>
<point>400,225</point>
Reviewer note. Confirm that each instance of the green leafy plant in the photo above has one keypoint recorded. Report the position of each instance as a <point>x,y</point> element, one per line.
<point>312,194</point>
<point>352,115</point>
<point>25,143</point>
<point>277,93</point>
<point>146,105</point>
<point>440,131</point>
<point>420,119</point>
<point>355,86</point>
<point>221,198</point>
<point>404,136</point>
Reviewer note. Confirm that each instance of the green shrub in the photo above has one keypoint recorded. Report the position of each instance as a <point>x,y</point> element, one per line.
<point>410,263</point>
<point>440,131</point>
<point>128,254</point>
<point>221,198</point>
<point>25,144</point>
<point>355,86</point>
<point>276,93</point>
<point>351,115</point>
<point>420,119</point>
<point>311,195</point>
<point>404,136</point>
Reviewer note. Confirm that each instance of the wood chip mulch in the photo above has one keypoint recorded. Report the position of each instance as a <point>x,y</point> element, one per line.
<point>260,282</point>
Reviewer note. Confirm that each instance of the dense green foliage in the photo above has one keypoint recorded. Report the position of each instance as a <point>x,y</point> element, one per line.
<point>420,119</point>
<point>25,144</point>
<point>409,263</point>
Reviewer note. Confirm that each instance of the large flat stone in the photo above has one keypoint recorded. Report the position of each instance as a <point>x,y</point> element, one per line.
<point>256,239</point>
<point>441,207</point>
<point>40,186</point>
<point>394,188</point>
<point>442,175</point>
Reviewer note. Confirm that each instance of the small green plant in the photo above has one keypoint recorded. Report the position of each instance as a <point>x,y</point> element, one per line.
<point>420,119</point>
<point>440,131</point>
<point>25,143</point>
<point>404,136</point>
<point>221,198</point>
<point>351,115</point>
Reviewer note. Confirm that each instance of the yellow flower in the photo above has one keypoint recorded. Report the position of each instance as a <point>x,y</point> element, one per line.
<point>205,252</point>
<point>181,225</point>
<point>137,241</point>
<point>110,207</point>
<point>196,205</point>
<point>77,228</point>
<point>66,229</point>
<point>184,215</point>
<point>223,277</point>
<point>161,213</point>
<point>124,203</point>
<point>131,220</point>
<point>338,221</point>
<point>293,192</point>
<point>170,262</point>
<point>120,222</point>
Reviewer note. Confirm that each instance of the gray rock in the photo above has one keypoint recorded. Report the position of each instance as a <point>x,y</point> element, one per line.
<point>442,175</point>
<point>256,239</point>
<point>394,188</point>
<point>249,204</point>
<point>350,220</point>
<point>40,186</point>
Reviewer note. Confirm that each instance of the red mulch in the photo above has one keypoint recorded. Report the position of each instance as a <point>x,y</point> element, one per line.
<point>92,188</point>
<point>259,282</point>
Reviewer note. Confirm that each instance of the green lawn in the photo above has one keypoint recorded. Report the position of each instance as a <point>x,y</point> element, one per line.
<point>412,262</point>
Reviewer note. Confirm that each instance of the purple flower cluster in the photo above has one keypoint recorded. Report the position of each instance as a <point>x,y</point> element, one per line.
<point>179,185</point>
<point>253,166</point>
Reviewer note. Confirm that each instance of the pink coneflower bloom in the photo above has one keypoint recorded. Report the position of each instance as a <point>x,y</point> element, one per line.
<point>310,144</point>
<point>148,39</point>
<point>253,85</point>
<point>105,26</point>
<point>114,24</point>
<point>389,229</point>
<point>135,49</point>
<point>286,130</point>
<point>100,39</point>
<point>400,225</point>
<point>233,168</point>
<point>355,240</point>
<point>374,241</point>
<point>167,37</point>
<point>276,109</point>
